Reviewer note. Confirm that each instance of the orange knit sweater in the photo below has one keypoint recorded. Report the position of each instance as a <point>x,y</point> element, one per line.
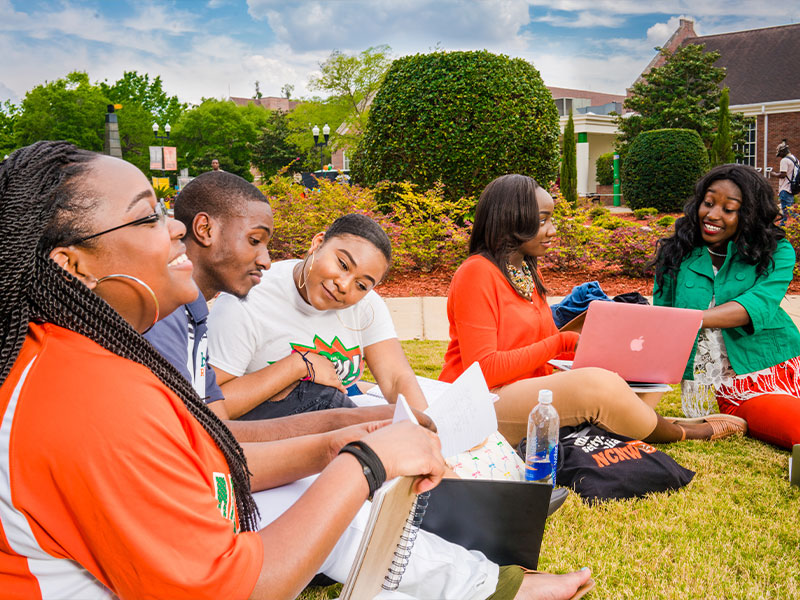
<point>512,338</point>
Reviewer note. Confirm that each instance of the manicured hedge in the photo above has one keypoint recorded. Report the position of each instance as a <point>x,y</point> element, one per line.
<point>461,118</point>
<point>661,168</point>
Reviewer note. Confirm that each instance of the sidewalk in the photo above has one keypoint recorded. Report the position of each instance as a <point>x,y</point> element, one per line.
<point>425,318</point>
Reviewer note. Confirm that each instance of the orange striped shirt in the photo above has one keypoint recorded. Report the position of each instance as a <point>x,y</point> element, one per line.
<point>108,485</point>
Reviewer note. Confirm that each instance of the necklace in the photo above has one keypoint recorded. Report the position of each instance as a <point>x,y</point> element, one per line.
<point>522,279</point>
<point>716,253</point>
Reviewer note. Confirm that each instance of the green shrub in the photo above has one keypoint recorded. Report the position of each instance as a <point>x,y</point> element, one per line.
<point>422,226</point>
<point>431,236</point>
<point>631,249</point>
<point>610,222</point>
<point>666,221</point>
<point>661,168</point>
<point>792,229</point>
<point>462,118</point>
<point>300,213</point>
<point>604,166</point>
<point>598,211</point>
<point>576,242</point>
<point>643,213</point>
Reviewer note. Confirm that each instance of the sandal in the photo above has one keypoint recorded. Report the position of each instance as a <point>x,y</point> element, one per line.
<point>579,593</point>
<point>722,425</point>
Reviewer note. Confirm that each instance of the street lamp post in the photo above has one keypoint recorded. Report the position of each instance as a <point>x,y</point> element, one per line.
<point>167,129</point>
<point>326,131</point>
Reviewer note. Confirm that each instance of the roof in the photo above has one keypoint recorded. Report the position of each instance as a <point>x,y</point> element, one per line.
<point>268,102</point>
<point>763,65</point>
<point>596,98</point>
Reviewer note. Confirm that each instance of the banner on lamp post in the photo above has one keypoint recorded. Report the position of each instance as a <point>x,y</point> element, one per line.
<point>157,157</point>
<point>170,158</point>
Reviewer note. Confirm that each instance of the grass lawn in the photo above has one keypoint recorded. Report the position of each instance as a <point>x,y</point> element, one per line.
<point>732,533</point>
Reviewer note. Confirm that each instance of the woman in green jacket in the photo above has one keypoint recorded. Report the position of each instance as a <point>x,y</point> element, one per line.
<point>729,259</point>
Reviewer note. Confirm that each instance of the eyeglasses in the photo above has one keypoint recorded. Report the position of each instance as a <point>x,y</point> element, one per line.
<point>159,215</point>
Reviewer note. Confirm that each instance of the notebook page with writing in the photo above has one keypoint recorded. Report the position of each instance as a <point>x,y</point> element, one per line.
<point>464,412</point>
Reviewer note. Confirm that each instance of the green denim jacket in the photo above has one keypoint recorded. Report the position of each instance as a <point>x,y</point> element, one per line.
<point>771,337</point>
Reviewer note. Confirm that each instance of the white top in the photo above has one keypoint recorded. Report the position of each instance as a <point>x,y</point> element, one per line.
<point>787,166</point>
<point>247,335</point>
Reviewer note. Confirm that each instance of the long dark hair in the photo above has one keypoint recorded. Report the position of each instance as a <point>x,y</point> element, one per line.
<point>43,204</point>
<point>506,217</point>
<point>756,237</point>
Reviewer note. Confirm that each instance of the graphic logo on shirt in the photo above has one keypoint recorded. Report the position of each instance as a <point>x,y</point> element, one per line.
<point>226,501</point>
<point>346,361</point>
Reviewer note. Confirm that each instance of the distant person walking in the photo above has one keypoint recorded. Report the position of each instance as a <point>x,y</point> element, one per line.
<point>787,168</point>
<point>215,165</point>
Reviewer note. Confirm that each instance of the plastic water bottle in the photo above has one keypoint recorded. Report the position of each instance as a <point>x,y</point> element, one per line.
<point>541,455</point>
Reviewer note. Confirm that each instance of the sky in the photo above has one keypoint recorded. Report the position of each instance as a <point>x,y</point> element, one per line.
<point>220,48</point>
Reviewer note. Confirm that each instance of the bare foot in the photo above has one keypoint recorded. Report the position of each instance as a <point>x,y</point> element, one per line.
<point>546,586</point>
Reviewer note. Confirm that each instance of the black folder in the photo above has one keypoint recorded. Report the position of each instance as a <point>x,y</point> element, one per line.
<point>503,519</point>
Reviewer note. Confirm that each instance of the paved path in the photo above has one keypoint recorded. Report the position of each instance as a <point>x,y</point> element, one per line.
<point>425,318</point>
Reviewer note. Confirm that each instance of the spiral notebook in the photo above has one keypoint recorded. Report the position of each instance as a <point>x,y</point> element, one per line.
<point>388,539</point>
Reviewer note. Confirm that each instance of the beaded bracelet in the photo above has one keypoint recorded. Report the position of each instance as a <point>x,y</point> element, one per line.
<point>310,374</point>
<point>371,465</point>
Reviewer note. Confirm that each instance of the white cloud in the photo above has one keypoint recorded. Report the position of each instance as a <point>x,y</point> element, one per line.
<point>314,24</point>
<point>584,20</point>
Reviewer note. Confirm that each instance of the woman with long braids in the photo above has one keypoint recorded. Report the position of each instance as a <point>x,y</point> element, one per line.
<point>115,476</point>
<point>729,259</point>
<point>115,479</point>
<point>499,316</point>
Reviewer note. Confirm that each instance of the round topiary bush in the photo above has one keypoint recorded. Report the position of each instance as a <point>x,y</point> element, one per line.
<point>604,166</point>
<point>661,168</point>
<point>462,118</point>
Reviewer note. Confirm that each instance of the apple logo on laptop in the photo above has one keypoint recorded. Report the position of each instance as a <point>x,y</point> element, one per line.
<point>637,344</point>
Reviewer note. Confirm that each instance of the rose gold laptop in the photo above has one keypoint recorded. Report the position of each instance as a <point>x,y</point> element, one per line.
<point>648,344</point>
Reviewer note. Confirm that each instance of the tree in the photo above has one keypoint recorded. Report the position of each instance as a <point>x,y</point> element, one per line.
<point>70,109</point>
<point>682,93</point>
<point>461,118</point>
<point>354,79</point>
<point>721,152</point>
<point>569,164</point>
<point>8,116</point>
<point>287,90</point>
<point>258,90</point>
<point>144,102</point>
<point>148,93</point>
<point>218,129</point>
<point>272,151</point>
<point>310,112</point>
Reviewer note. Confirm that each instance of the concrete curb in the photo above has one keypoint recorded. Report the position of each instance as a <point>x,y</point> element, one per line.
<point>425,317</point>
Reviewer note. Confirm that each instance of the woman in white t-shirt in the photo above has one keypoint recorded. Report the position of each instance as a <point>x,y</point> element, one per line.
<point>304,333</point>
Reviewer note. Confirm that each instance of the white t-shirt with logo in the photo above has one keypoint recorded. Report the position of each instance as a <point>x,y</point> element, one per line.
<point>247,335</point>
<point>787,166</point>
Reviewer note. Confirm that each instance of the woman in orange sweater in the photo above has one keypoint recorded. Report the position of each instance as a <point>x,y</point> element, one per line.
<point>499,316</point>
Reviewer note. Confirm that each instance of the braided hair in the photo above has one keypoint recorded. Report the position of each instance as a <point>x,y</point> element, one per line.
<point>43,205</point>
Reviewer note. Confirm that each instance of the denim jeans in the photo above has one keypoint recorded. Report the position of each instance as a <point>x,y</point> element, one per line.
<point>787,200</point>
<point>306,397</point>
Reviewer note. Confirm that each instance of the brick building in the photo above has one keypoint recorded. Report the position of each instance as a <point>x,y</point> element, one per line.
<point>763,75</point>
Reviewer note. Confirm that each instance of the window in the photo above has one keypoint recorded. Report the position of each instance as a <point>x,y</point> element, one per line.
<point>345,162</point>
<point>746,153</point>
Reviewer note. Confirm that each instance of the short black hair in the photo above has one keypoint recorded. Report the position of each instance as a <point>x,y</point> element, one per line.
<point>218,193</point>
<point>364,227</point>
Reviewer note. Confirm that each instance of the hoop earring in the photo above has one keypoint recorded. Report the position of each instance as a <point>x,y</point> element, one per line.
<point>300,286</point>
<point>141,283</point>
<point>356,329</point>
